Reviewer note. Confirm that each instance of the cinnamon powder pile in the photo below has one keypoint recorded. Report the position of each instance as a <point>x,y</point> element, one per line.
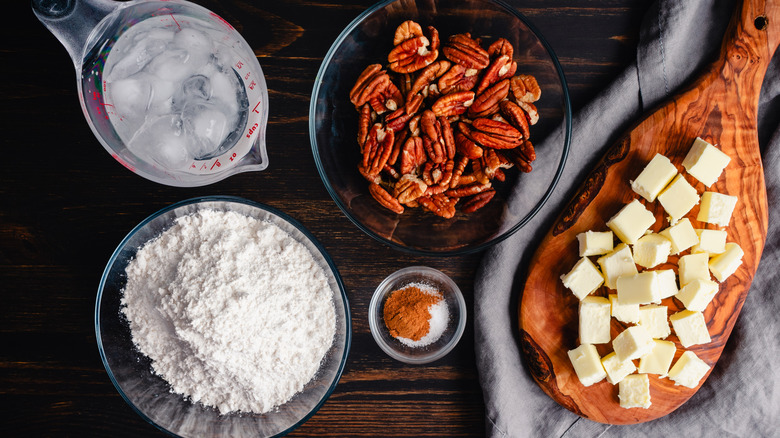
<point>407,313</point>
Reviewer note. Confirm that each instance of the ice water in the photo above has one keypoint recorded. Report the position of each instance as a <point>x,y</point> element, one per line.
<point>175,95</point>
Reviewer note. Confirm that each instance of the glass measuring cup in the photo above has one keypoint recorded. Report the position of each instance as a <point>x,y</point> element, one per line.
<point>170,89</point>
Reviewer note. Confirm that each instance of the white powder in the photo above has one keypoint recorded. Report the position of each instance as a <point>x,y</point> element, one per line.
<point>232,311</point>
<point>440,317</point>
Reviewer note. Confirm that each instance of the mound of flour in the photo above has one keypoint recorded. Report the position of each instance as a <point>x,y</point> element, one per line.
<point>232,311</point>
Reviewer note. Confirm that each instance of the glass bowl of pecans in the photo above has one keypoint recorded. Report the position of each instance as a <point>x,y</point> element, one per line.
<point>440,127</point>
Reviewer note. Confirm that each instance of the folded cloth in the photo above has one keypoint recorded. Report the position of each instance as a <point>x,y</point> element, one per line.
<point>742,395</point>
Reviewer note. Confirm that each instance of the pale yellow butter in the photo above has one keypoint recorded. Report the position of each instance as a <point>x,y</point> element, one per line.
<point>658,360</point>
<point>624,312</point>
<point>667,282</point>
<point>617,263</point>
<point>688,370</point>
<point>682,235</point>
<point>697,294</point>
<point>651,250</point>
<point>616,369</point>
<point>705,162</point>
<point>583,278</point>
<point>723,265</point>
<point>716,208</point>
<point>632,343</point>
<point>642,288</point>
<point>631,222</point>
<point>678,198</point>
<point>654,318</point>
<point>690,328</point>
<point>693,267</point>
<point>594,320</point>
<point>710,241</point>
<point>595,242</point>
<point>587,364</point>
<point>654,177</point>
<point>634,391</point>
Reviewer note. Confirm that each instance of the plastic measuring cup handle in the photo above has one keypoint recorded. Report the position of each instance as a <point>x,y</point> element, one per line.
<point>71,21</point>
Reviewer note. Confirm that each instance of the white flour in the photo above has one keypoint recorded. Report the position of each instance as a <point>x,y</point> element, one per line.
<point>232,311</point>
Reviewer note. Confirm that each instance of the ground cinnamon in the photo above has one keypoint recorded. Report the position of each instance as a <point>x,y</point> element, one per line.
<point>406,312</point>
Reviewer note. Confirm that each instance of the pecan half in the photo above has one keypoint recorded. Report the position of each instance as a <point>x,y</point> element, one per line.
<point>397,120</point>
<point>471,189</point>
<point>409,188</point>
<point>364,124</point>
<point>486,104</point>
<point>500,47</point>
<point>432,137</point>
<point>385,199</point>
<point>412,155</point>
<point>414,53</point>
<point>447,137</point>
<point>518,159</point>
<point>495,134</point>
<point>515,116</point>
<point>525,89</point>
<point>466,51</point>
<point>530,111</point>
<point>375,88</point>
<point>407,30</point>
<point>377,150</point>
<point>458,78</point>
<point>439,205</point>
<point>453,104</point>
<point>500,68</point>
<point>466,147</point>
<point>457,172</point>
<point>398,144</point>
<point>478,201</point>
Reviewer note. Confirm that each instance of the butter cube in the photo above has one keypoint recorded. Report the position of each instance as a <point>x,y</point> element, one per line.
<point>667,283</point>
<point>631,222</point>
<point>634,391</point>
<point>640,288</point>
<point>705,162</point>
<point>587,364</point>
<point>616,369</point>
<point>654,319</point>
<point>710,241</point>
<point>617,263</point>
<point>697,294</point>
<point>682,235</point>
<point>688,370</point>
<point>678,198</point>
<point>595,242</point>
<point>594,320</point>
<point>583,278</point>
<point>651,250</point>
<point>723,265</point>
<point>690,328</point>
<point>693,267</point>
<point>654,177</point>
<point>716,208</point>
<point>658,360</point>
<point>624,312</point>
<point>632,343</point>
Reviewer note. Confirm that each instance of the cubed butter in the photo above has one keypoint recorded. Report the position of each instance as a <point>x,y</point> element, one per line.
<point>697,294</point>
<point>616,264</point>
<point>631,222</point>
<point>634,391</point>
<point>594,320</point>
<point>642,288</point>
<point>690,328</point>
<point>678,198</point>
<point>723,265</point>
<point>583,278</point>
<point>624,312</point>
<point>716,208</point>
<point>682,235</point>
<point>688,370</point>
<point>616,369</point>
<point>710,241</point>
<point>693,267</point>
<point>705,162</point>
<point>655,319</point>
<point>595,242</point>
<point>654,177</point>
<point>587,364</point>
<point>667,281</point>
<point>651,250</point>
<point>632,343</point>
<point>658,360</point>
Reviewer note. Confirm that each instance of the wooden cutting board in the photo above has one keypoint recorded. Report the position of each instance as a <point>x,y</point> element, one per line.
<point>721,107</point>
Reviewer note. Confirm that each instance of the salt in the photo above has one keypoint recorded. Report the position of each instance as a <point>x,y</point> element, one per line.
<point>440,318</point>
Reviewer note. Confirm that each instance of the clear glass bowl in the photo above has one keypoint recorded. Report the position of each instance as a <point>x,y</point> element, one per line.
<point>150,396</point>
<point>333,124</point>
<point>456,306</point>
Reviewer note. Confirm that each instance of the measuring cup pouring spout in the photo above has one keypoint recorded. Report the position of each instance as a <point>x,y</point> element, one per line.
<point>170,89</point>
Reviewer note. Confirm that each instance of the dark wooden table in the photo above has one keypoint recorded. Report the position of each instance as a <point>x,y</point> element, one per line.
<point>65,204</point>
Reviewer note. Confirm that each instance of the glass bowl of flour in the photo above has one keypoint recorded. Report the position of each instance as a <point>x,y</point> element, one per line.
<point>218,316</point>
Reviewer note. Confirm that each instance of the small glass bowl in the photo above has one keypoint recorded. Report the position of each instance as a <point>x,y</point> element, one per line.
<point>456,306</point>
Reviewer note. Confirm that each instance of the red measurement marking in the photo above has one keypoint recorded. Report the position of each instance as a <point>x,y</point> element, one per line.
<point>216,163</point>
<point>249,73</point>
<point>254,110</point>
<point>177,23</point>
<point>123,162</point>
<point>251,130</point>
<point>94,95</point>
<point>232,157</point>
<point>204,167</point>
<point>239,64</point>
<point>222,20</point>
<point>252,85</point>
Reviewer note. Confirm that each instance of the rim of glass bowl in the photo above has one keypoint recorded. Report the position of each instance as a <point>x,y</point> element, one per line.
<point>373,308</point>
<point>567,116</point>
<point>238,200</point>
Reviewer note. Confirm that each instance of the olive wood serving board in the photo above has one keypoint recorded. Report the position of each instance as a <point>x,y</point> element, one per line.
<point>721,107</point>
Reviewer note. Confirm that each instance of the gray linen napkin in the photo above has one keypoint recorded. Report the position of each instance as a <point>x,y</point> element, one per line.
<point>742,395</point>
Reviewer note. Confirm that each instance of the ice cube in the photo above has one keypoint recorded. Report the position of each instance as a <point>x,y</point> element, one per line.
<point>129,96</point>
<point>193,41</point>
<point>161,140</point>
<point>208,125</point>
<point>226,88</point>
<point>132,58</point>
<point>176,64</point>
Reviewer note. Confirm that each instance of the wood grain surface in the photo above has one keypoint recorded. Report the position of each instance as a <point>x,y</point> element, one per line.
<point>721,107</point>
<point>65,204</point>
